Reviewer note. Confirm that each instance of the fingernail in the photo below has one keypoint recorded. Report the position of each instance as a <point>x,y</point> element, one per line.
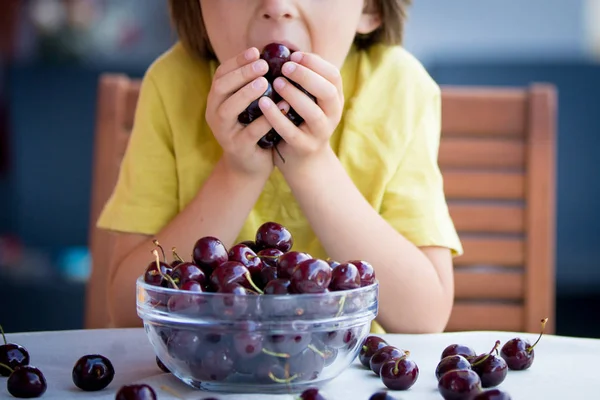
<point>284,107</point>
<point>289,67</point>
<point>279,83</point>
<point>296,57</point>
<point>259,66</point>
<point>257,84</point>
<point>264,102</point>
<point>249,54</point>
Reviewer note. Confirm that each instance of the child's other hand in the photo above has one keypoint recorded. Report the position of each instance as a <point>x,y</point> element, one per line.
<point>236,84</point>
<point>311,139</point>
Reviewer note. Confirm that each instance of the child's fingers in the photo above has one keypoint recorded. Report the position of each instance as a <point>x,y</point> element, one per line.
<point>312,113</point>
<point>320,66</point>
<point>239,101</point>
<point>277,119</point>
<point>261,126</point>
<point>245,57</point>
<point>228,84</point>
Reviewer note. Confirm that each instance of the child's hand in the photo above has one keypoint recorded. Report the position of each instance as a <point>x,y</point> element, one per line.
<point>322,80</point>
<point>236,84</point>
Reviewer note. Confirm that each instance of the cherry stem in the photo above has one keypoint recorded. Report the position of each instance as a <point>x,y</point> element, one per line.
<point>7,367</point>
<point>319,352</point>
<point>404,357</point>
<point>166,277</point>
<point>272,353</point>
<point>539,337</point>
<point>487,355</point>
<point>279,154</point>
<point>161,249</point>
<point>279,380</point>
<point>175,255</point>
<point>172,391</point>
<point>341,303</point>
<point>253,284</point>
<point>3,336</point>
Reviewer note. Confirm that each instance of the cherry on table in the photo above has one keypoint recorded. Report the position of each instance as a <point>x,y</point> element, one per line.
<point>136,392</point>
<point>93,372</point>
<point>458,349</point>
<point>12,355</point>
<point>162,365</point>
<point>399,374</point>
<point>26,381</point>
<point>518,353</point>
<point>274,235</point>
<point>383,355</point>
<point>492,394</point>
<point>459,384</point>
<point>311,394</point>
<point>451,363</point>
<point>382,395</point>
<point>370,345</point>
<point>491,368</point>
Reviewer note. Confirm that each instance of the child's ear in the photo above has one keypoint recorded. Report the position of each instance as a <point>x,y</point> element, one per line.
<point>369,21</point>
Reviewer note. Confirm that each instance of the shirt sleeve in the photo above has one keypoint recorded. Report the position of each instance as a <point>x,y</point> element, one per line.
<point>414,202</point>
<point>145,197</point>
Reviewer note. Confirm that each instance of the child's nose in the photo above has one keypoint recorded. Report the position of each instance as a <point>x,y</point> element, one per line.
<point>277,9</point>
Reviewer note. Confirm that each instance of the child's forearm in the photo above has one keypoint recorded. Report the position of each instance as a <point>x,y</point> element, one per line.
<point>412,298</point>
<point>219,209</point>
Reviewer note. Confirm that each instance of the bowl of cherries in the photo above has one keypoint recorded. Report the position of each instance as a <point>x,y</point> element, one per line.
<point>257,317</point>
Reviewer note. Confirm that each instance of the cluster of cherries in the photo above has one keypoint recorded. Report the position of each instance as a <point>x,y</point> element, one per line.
<point>275,55</point>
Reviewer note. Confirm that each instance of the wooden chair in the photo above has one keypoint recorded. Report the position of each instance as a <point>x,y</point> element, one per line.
<point>497,157</point>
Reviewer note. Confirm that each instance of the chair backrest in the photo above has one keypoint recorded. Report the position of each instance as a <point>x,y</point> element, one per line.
<point>497,158</point>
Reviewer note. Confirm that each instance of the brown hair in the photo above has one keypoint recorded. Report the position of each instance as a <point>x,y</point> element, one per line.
<point>186,16</point>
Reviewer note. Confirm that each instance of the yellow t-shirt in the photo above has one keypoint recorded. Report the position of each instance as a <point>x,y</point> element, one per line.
<point>387,142</point>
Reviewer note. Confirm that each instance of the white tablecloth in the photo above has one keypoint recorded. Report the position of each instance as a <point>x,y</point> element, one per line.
<point>564,368</point>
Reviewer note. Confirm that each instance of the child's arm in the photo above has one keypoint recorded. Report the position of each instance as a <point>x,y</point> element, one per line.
<point>416,285</point>
<point>147,184</point>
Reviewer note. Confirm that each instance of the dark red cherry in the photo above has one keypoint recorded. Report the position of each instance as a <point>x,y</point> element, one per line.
<point>518,353</point>
<point>451,363</point>
<point>344,277</point>
<point>270,140</point>
<point>26,381</point>
<point>399,374</point>
<point>288,261</point>
<point>311,394</point>
<point>311,276</point>
<point>136,392</point>
<point>231,306</point>
<point>253,111</point>
<point>93,372</point>
<point>247,344</point>
<point>251,244</point>
<point>155,278</point>
<point>245,255</point>
<point>491,369</point>
<point>188,303</point>
<point>270,256</point>
<point>277,286</point>
<point>492,394</point>
<point>232,272</point>
<point>365,271</point>
<point>370,345</point>
<point>162,365</point>
<point>274,235</point>
<point>275,55</point>
<point>209,252</point>
<point>186,272</point>
<point>459,384</point>
<point>458,350</point>
<point>383,395</point>
<point>383,355</point>
<point>12,355</point>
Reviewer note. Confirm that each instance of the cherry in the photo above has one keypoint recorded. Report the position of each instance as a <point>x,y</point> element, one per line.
<point>275,55</point>
<point>209,252</point>
<point>287,262</point>
<point>458,350</point>
<point>311,394</point>
<point>274,235</point>
<point>25,381</point>
<point>311,276</point>
<point>459,384</point>
<point>365,272</point>
<point>186,272</point>
<point>383,355</point>
<point>344,277</point>
<point>370,345</point>
<point>518,353</point>
<point>231,306</point>
<point>216,364</point>
<point>337,339</point>
<point>93,372</point>
<point>491,369</point>
<point>286,345</point>
<point>270,256</point>
<point>399,374</point>
<point>155,276</point>
<point>185,303</point>
<point>162,366</point>
<point>307,365</point>
<point>270,140</point>
<point>247,344</point>
<point>333,264</point>
<point>451,363</point>
<point>12,354</point>
<point>182,344</point>
<point>136,392</point>
<point>247,257</point>
<point>277,286</point>
<point>493,394</point>
<point>231,272</point>
<point>383,395</point>
<point>253,111</point>
<point>252,245</point>
<point>176,259</point>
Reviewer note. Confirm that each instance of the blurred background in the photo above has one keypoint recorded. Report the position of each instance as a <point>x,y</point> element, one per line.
<point>52,52</point>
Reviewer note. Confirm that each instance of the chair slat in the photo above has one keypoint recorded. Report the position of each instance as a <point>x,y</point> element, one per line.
<point>483,154</point>
<point>465,185</point>
<point>479,316</point>
<point>484,218</point>
<point>488,286</point>
<point>482,251</point>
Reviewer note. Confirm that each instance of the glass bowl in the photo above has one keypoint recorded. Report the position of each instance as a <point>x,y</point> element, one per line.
<point>256,343</point>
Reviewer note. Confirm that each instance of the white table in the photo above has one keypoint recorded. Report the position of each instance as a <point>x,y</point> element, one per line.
<point>564,368</point>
